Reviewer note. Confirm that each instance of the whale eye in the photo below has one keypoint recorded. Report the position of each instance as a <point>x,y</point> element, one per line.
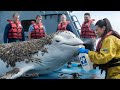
<point>57,40</point>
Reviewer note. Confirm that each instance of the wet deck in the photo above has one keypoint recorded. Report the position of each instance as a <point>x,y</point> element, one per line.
<point>74,72</point>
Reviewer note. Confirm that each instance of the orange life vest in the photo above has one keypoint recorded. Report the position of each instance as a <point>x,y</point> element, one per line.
<point>16,30</point>
<point>86,31</point>
<point>38,31</point>
<point>62,26</point>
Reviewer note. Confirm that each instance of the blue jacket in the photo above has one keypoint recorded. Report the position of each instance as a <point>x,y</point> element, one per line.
<point>8,40</point>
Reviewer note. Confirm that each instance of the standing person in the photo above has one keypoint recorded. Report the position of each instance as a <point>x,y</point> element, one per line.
<point>88,32</point>
<point>107,54</point>
<point>14,31</point>
<point>64,24</point>
<point>37,29</point>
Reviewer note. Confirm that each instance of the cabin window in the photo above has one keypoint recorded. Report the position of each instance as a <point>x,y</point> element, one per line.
<point>26,24</point>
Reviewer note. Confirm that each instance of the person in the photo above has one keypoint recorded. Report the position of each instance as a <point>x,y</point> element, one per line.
<point>87,33</point>
<point>37,29</point>
<point>107,54</point>
<point>64,24</point>
<point>14,31</point>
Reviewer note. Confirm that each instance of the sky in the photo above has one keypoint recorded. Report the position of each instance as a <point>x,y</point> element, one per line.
<point>113,16</point>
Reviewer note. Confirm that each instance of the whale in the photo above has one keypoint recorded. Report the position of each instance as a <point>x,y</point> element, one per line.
<point>40,56</point>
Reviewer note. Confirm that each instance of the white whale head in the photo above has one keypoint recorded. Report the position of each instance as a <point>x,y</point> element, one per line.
<point>66,41</point>
<point>64,45</point>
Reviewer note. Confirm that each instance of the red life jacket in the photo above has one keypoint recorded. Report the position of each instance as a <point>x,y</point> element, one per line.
<point>16,30</point>
<point>86,31</point>
<point>38,31</point>
<point>62,26</point>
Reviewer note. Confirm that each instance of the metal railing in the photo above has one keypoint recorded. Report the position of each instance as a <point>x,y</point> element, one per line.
<point>75,26</point>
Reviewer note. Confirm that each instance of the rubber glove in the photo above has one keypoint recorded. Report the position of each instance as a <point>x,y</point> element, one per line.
<point>83,50</point>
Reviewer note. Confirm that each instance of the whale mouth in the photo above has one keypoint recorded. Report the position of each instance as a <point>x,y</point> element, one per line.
<point>73,44</point>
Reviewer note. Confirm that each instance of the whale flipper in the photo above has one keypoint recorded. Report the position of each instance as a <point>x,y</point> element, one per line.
<point>16,72</point>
